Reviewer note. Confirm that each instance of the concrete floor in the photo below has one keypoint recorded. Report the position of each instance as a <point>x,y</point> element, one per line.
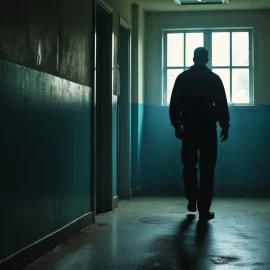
<point>156,233</point>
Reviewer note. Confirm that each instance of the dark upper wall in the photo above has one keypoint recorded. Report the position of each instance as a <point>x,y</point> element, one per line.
<point>50,36</point>
<point>45,137</point>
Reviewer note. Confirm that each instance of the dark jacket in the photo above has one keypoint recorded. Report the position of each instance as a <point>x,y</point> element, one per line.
<point>199,100</point>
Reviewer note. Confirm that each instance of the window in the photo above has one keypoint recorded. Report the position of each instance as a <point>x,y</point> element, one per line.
<point>230,57</point>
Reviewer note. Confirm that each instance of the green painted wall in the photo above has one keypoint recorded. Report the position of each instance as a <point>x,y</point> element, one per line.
<point>121,9</point>
<point>121,6</point>
<point>155,22</point>
<point>138,60</point>
<point>45,144</point>
<point>46,67</point>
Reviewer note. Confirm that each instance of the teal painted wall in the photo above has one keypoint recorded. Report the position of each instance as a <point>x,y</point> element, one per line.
<point>46,128</point>
<point>137,121</point>
<point>45,154</point>
<point>45,104</point>
<point>115,144</point>
<point>243,161</point>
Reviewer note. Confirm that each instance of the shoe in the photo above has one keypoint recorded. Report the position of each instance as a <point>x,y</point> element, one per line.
<point>192,207</point>
<point>206,216</point>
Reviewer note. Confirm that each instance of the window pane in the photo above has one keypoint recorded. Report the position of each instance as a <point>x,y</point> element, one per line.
<point>221,49</point>
<point>175,50</point>
<point>240,48</point>
<point>171,77</point>
<point>193,41</point>
<point>224,74</point>
<point>240,85</point>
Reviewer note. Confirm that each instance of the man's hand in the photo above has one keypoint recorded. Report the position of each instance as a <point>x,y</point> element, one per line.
<point>224,135</point>
<point>178,132</point>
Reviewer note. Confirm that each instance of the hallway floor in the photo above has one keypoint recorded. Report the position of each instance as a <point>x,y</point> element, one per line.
<point>157,233</point>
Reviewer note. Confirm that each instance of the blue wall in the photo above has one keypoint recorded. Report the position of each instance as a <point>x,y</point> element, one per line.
<point>45,154</point>
<point>115,144</point>
<point>243,160</point>
<point>137,118</point>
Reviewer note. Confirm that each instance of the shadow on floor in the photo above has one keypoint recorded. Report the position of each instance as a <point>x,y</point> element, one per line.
<point>191,254</point>
<point>185,250</point>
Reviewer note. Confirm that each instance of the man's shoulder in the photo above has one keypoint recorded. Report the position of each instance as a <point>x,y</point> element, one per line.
<point>184,74</point>
<point>214,75</point>
<point>190,73</point>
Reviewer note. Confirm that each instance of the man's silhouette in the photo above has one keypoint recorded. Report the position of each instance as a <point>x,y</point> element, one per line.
<point>198,101</point>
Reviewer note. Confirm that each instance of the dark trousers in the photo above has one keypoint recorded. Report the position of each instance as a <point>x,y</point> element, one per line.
<point>203,142</point>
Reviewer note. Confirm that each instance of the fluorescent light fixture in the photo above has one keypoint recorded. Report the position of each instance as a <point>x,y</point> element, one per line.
<point>200,2</point>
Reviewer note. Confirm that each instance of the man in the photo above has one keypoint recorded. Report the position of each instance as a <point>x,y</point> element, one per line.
<point>198,101</point>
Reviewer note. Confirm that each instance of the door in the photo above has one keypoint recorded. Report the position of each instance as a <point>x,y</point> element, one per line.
<point>103,179</point>
<point>124,114</point>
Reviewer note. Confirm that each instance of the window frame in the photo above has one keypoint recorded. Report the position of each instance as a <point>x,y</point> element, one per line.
<point>208,44</point>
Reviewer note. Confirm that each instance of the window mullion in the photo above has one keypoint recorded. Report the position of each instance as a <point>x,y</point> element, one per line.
<point>185,50</point>
<point>176,67</point>
<point>208,45</point>
<point>251,70</point>
<point>164,94</point>
<point>230,101</point>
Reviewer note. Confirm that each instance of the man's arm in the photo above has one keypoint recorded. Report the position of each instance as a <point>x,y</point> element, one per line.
<point>175,108</point>
<point>222,106</point>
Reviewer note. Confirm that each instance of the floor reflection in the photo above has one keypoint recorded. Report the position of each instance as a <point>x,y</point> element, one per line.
<point>191,250</point>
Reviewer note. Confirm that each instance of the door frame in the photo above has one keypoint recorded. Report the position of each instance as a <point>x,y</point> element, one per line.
<point>107,201</point>
<point>124,184</point>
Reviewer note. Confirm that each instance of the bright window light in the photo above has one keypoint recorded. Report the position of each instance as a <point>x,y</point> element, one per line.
<point>230,52</point>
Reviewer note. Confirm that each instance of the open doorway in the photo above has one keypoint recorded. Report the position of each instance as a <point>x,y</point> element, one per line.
<point>103,126</point>
<point>124,184</point>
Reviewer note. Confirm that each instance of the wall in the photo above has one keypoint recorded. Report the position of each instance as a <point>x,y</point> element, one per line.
<point>121,9</point>
<point>46,96</point>
<point>132,15</point>
<point>242,160</point>
<point>61,46</point>
<point>46,81</point>
<point>121,6</point>
<point>45,153</point>
<point>137,86</point>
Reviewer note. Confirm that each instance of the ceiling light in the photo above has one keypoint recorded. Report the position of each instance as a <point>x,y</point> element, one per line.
<point>193,2</point>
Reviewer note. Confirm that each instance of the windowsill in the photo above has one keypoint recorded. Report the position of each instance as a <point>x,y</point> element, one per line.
<point>234,106</point>
<point>242,106</point>
<point>230,105</point>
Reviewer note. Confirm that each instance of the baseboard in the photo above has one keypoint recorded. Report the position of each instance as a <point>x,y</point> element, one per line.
<point>136,192</point>
<point>219,191</point>
<point>40,248</point>
<point>115,202</point>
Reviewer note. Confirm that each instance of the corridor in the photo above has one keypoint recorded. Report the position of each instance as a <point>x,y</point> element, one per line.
<point>157,233</point>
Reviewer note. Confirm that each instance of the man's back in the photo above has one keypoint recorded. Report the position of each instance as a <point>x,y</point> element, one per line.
<point>198,100</point>
<point>200,96</point>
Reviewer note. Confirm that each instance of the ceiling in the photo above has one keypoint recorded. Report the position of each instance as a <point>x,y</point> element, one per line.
<point>169,5</point>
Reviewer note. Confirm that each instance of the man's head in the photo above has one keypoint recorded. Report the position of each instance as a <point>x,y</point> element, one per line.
<point>201,56</point>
